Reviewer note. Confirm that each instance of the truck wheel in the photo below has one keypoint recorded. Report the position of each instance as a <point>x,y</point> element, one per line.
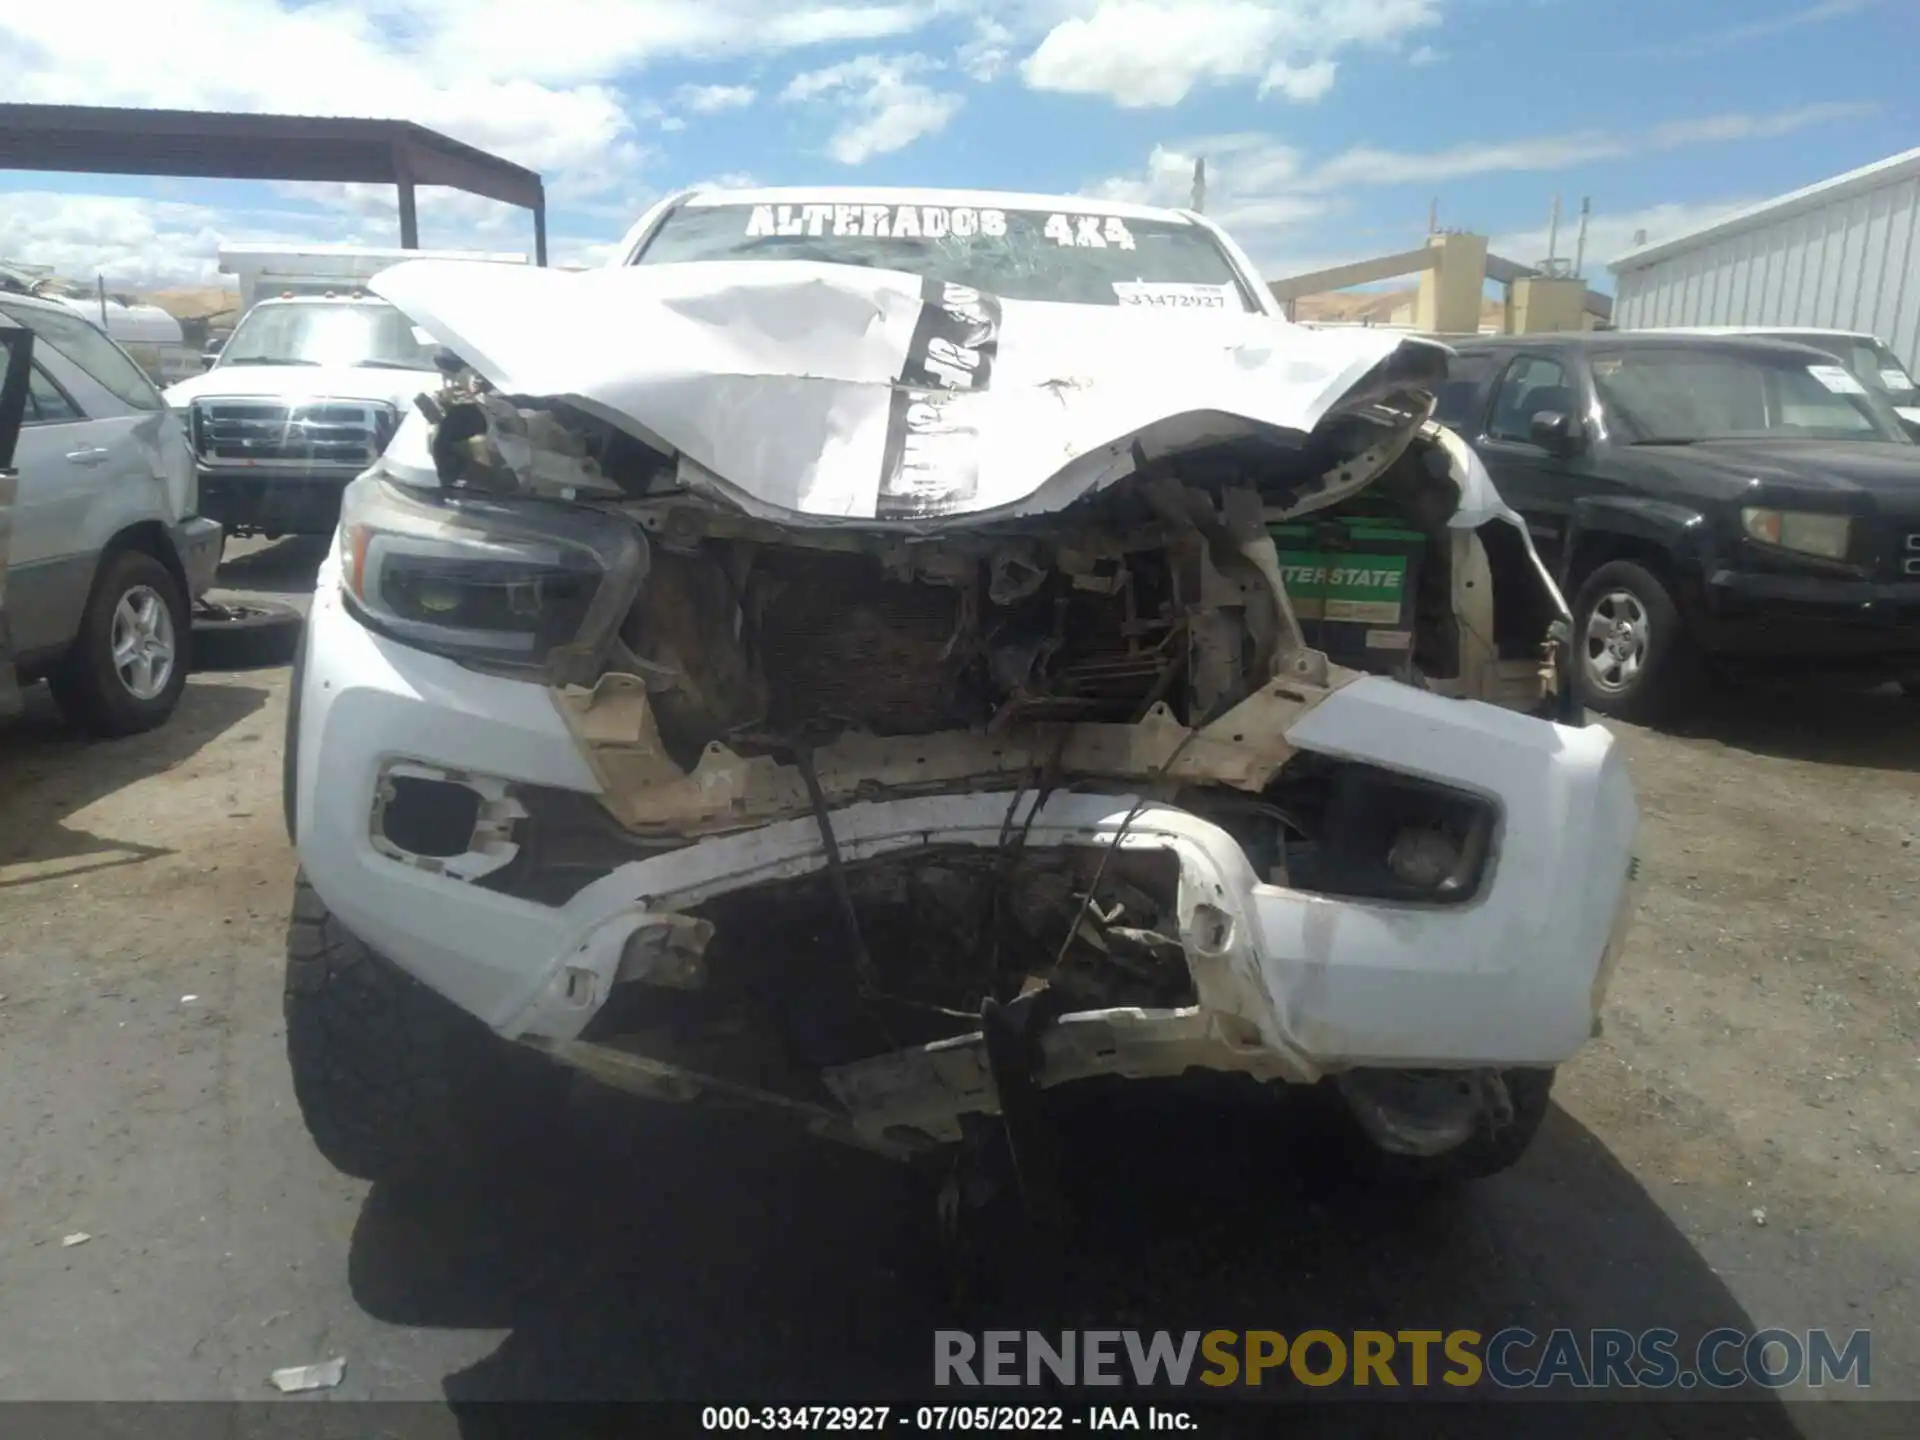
<point>1486,1153</point>
<point>395,1082</point>
<point>1632,655</point>
<point>128,664</point>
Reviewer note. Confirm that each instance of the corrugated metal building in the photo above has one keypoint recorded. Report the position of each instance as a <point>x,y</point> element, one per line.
<point>1840,255</point>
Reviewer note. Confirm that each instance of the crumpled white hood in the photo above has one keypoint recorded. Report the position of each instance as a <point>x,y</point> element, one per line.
<point>841,393</point>
<point>307,382</point>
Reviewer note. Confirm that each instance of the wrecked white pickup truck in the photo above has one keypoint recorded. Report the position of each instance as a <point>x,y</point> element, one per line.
<point>882,655</point>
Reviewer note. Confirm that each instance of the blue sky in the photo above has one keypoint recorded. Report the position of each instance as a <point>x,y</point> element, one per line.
<point>1328,125</point>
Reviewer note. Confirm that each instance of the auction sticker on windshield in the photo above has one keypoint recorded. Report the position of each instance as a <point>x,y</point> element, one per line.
<point>1174,296</point>
<point>1896,379</point>
<point>1837,378</point>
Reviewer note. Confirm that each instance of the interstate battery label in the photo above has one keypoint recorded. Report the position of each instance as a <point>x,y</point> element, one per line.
<point>1365,588</point>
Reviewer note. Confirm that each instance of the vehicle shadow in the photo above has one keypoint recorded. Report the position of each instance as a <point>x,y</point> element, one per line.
<point>1826,725</point>
<point>657,1254</point>
<point>49,771</point>
<point>271,567</point>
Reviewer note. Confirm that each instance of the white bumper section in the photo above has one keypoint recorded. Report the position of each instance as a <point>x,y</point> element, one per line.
<point>1290,985</point>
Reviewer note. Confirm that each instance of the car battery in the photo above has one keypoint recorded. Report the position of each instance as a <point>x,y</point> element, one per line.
<point>1353,582</point>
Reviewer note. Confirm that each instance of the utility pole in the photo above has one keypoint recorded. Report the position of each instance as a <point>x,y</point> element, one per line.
<point>1433,216</point>
<point>1200,186</point>
<point>1553,234</point>
<point>1580,245</point>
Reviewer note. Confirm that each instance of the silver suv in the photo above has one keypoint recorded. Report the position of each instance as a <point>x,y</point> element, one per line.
<point>107,554</point>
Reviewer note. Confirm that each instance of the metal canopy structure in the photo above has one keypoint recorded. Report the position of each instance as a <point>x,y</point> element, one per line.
<point>109,140</point>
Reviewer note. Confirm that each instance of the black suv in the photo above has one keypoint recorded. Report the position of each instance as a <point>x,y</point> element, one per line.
<point>1741,501</point>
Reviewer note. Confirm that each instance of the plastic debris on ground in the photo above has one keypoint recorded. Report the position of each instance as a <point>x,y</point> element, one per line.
<point>324,1376</point>
<point>79,1237</point>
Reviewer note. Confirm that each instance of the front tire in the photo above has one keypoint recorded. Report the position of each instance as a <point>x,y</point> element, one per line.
<point>394,1081</point>
<point>1632,655</point>
<point>128,665</point>
<point>1488,1151</point>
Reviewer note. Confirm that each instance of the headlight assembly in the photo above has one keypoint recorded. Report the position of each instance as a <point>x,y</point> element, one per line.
<point>1798,530</point>
<point>503,584</point>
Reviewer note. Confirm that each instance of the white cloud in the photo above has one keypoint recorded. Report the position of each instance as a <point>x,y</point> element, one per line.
<point>985,56</point>
<point>1423,55</point>
<point>548,83</point>
<point>133,243</point>
<point>1364,165</point>
<point>330,60</point>
<point>379,202</point>
<point>1304,83</point>
<point>710,99</point>
<point>1714,41</point>
<point>570,251</point>
<point>1611,233</point>
<point>536,81</point>
<point>885,109</point>
<point>571,42</point>
<point>1753,127</point>
<point>1153,53</point>
<point>1264,191</point>
<point>532,80</point>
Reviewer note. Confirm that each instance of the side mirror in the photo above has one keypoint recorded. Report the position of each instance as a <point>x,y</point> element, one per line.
<point>1555,431</point>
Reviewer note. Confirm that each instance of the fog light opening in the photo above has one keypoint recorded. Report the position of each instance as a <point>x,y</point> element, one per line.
<point>434,818</point>
<point>448,823</point>
<point>1423,856</point>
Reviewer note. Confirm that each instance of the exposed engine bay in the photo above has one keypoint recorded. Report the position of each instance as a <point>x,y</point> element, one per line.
<point>1058,642</point>
<point>921,786</point>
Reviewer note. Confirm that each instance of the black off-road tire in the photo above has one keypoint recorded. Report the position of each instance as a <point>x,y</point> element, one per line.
<point>1487,1153</point>
<point>85,683</point>
<point>395,1082</point>
<point>1669,673</point>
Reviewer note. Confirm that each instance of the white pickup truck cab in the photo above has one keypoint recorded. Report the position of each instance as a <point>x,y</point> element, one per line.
<point>302,398</point>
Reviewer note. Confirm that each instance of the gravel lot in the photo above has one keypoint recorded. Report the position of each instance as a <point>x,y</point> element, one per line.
<point>1740,1147</point>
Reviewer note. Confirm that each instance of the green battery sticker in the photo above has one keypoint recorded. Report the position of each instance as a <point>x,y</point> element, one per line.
<point>1369,589</point>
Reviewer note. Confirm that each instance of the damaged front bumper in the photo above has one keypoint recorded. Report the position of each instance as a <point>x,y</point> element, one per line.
<point>1286,984</point>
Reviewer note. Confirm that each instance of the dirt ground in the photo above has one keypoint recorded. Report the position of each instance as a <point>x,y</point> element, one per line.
<point>1739,1148</point>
